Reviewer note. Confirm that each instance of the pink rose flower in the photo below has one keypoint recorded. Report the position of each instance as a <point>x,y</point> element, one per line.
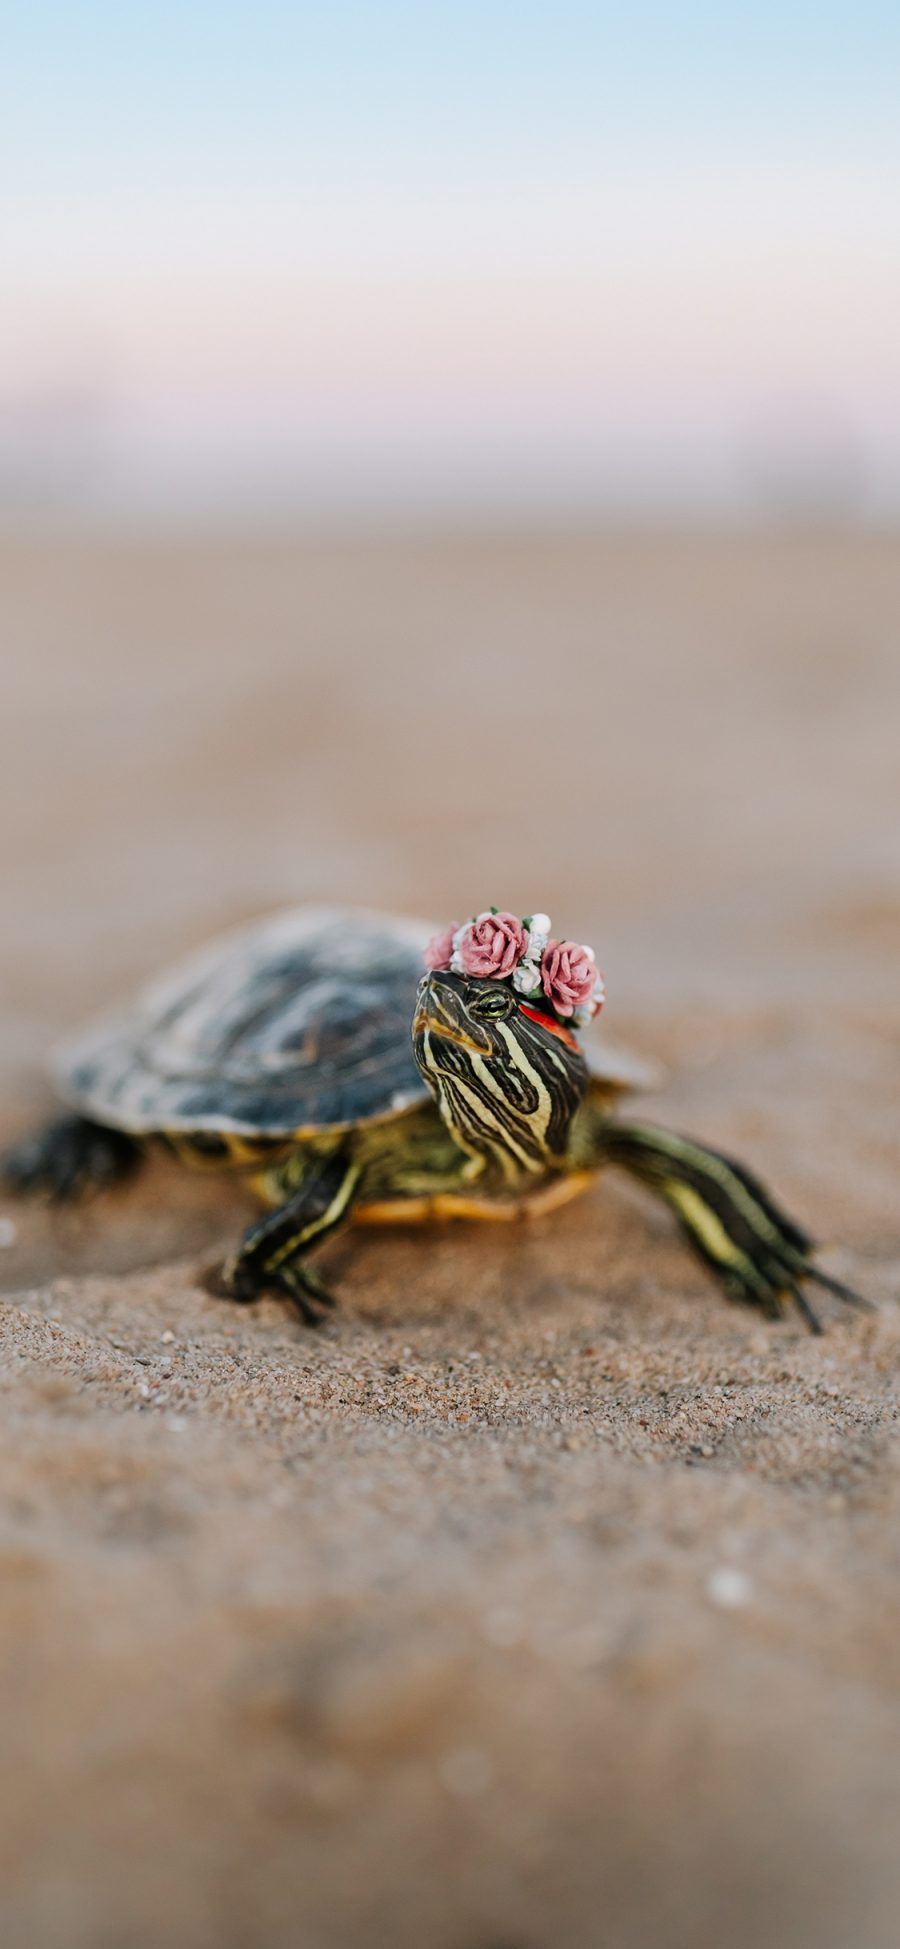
<point>492,945</point>
<point>440,947</point>
<point>568,975</point>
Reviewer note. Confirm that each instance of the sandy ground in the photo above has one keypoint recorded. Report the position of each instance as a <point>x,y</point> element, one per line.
<point>543,1599</point>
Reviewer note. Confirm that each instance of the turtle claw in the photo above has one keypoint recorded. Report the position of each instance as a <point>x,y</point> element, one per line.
<point>836,1286</point>
<point>795,1267</point>
<point>769,1280</point>
<point>315,1286</point>
<point>300,1284</point>
<point>803,1306</point>
<point>309,1294</point>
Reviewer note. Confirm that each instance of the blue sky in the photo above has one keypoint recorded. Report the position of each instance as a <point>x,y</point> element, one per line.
<point>394,251</point>
<point>269,87</point>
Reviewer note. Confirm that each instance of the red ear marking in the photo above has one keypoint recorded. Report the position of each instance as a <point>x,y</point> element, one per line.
<point>547,1022</point>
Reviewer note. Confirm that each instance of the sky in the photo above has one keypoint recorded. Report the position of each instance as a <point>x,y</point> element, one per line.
<point>482,257</point>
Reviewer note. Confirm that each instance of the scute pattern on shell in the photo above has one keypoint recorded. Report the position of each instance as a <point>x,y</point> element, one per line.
<point>300,1022</point>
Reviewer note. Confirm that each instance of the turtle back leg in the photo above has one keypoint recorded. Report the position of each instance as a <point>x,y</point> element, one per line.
<point>757,1252</point>
<point>272,1254</point>
<point>68,1157</point>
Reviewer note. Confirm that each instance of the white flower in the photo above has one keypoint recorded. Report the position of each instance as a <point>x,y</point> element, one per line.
<point>527,976</point>
<point>538,935</point>
<point>456,965</point>
<point>586,1011</point>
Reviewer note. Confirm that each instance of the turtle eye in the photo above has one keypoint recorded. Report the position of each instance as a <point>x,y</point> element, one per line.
<point>491,1004</point>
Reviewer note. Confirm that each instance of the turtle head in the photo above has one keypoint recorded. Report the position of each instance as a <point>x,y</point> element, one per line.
<point>506,1076</point>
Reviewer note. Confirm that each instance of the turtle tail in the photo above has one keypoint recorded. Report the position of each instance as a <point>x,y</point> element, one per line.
<point>757,1252</point>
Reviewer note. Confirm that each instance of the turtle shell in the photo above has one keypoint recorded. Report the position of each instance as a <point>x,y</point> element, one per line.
<point>297,1024</point>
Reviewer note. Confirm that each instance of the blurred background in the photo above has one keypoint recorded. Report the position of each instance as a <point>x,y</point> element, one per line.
<point>404,261</point>
<point>447,455</point>
<point>451,456</point>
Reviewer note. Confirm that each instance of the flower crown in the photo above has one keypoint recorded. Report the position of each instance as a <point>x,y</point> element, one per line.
<point>559,976</point>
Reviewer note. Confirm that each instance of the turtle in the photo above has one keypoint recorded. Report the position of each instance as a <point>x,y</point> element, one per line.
<point>312,1054</point>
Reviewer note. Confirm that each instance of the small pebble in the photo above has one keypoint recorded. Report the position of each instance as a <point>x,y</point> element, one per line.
<point>167,1337</point>
<point>728,1587</point>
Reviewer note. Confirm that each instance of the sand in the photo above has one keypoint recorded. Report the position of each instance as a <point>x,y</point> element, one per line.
<point>543,1598</point>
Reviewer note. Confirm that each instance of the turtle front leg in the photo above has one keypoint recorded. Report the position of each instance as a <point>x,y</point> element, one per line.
<point>758,1253</point>
<point>272,1254</point>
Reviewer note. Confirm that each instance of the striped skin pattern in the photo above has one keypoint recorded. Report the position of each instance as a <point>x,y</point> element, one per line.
<point>506,1086</point>
<point>525,1123</point>
<point>284,1055</point>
